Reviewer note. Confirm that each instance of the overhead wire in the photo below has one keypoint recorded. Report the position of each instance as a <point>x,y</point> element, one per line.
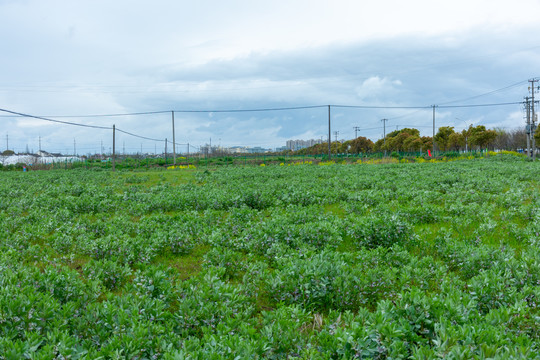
<point>53,120</point>
<point>138,136</point>
<point>419,108</point>
<point>48,118</point>
<point>378,107</point>
<point>487,93</point>
<point>252,110</point>
<point>479,105</point>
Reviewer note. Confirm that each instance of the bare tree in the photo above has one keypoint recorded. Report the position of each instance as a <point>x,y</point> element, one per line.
<point>4,155</point>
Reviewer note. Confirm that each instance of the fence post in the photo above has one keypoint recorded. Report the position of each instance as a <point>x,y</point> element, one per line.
<point>113,148</point>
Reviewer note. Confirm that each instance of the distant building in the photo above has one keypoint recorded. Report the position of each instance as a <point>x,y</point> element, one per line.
<point>44,153</point>
<point>216,150</point>
<point>213,150</point>
<point>301,144</point>
<point>237,150</point>
<point>257,150</point>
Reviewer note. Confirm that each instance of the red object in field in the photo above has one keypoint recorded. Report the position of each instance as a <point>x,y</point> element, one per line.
<point>429,152</point>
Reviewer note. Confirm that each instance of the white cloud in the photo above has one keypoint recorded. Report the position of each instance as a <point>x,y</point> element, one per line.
<point>375,87</point>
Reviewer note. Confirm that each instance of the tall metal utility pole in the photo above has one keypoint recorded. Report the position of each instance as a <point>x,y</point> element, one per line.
<point>7,141</point>
<point>336,133</point>
<point>433,127</point>
<point>384,130</point>
<point>329,134</point>
<point>74,148</point>
<point>165,151</point>
<point>40,143</point>
<point>356,128</point>
<point>528,128</point>
<point>113,148</point>
<point>173,140</point>
<point>533,120</point>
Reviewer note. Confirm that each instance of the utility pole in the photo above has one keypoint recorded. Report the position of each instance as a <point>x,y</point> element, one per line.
<point>528,128</point>
<point>40,143</point>
<point>384,130</point>
<point>533,130</point>
<point>113,147</point>
<point>74,147</point>
<point>336,133</point>
<point>173,140</point>
<point>533,120</point>
<point>356,128</point>
<point>102,151</point>
<point>7,141</point>
<point>384,134</point>
<point>433,127</point>
<point>165,151</point>
<point>188,149</point>
<point>329,138</point>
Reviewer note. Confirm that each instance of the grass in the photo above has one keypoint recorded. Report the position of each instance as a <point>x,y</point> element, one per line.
<point>152,178</point>
<point>187,266</point>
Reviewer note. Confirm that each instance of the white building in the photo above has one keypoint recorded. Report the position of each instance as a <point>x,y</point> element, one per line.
<point>301,144</point>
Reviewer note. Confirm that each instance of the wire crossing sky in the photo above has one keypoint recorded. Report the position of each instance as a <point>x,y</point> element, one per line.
<point>240,72</point>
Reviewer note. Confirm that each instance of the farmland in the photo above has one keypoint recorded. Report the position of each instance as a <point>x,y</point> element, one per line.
<point>385,261</point>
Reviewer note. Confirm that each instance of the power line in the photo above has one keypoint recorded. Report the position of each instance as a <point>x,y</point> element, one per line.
<point>252,110</point>
<point>480,105</point>
<point>379,107</point>
<point>48,118</point>
<point>187,111</point>
<point>106,115</point>
<point>139,136</point>
<point>419,108</point>
<point>405,115</point>
<point>487,93</point>
<point>52,120</point>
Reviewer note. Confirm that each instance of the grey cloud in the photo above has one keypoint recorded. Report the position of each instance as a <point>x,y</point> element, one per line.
<point>398,71</point>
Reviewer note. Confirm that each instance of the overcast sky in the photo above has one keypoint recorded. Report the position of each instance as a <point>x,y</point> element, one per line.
<point>77,58</point>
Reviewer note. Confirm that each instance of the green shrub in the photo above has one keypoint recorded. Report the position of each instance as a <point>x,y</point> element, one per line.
<point>111,274</point>
<point>386,231</point>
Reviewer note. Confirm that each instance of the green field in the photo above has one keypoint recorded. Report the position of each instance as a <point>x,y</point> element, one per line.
<point>358,261</point>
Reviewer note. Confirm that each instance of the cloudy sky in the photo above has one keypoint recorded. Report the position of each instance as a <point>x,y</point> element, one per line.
<point>67,60</point>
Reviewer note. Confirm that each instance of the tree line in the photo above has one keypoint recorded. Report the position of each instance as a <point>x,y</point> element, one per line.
<point>446,139</point>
